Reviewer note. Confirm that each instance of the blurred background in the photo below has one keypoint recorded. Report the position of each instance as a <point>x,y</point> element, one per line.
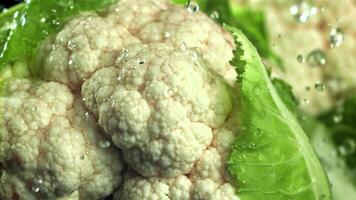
<point>9,3</point>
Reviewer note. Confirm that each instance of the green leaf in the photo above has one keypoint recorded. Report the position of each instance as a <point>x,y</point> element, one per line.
<point>284,90</point>
<point>6,22</point>
<point>37,20</point>
<point>250,21</point>
<point>272,158</point>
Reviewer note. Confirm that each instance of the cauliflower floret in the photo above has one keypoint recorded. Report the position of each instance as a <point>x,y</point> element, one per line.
<point>86,43</point>
<point>209,179</point>
<point>159,106</point>
<point>49,145</point>
<point>91,42</point>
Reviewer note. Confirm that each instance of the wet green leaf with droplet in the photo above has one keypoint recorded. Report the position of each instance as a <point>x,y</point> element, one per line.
<point>272,157</point>
<point>35,21</point>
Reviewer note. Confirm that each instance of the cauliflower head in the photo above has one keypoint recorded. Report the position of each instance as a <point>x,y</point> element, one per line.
<point>151,77</point>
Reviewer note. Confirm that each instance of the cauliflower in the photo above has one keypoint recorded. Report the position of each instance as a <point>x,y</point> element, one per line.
<point>291,39</point>
<point>49,145</point>
<point>150,77</point>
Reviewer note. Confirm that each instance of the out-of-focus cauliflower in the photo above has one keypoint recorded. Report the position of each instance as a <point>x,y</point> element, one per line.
<point>49,145</point>
<point>291,38</point>
<point>158,81</point>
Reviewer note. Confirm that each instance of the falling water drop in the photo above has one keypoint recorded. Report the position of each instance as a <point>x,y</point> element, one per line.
<point>104,144</point>
<point>316,58</point>
<point>319,86</point>
<point>300,58</point>
<point>214,15</point>
<point>302,10</point>
<point>192,6</point>
<point>336,37</point>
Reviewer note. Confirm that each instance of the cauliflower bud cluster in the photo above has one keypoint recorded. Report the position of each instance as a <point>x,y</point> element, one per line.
<point>150,77</point>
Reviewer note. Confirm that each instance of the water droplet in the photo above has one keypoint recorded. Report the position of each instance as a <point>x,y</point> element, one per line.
<point>167,34</point>
<point>104,144</point>
<point>71,4</point>
<point>306,101</point>
<point>123,56</point>
<point>192,6</point>
<point>316,58</point>
<point>304,117</point>
<point>256,90</point>
<point>141,62</point>
<point>170,92</point>
<point>336,37</point>
<point>300,58</point>
<point>319,86</point>
<point>82,157</point>
<point>16,14</point>
<point>119,77</point>
<point>71,45</point>
<point>56,22</point>
<point>35,188</point>
<point>183,46</point>
<point>337,118</point>
<point>347,148</point>
<point>23,19</point>
<point>36,185</point>
<point>43,20</point>
<point>214,15</point>
<point>194,56</point>
<point>262,113</point>
<point>87,114</point>
<point>302,10</point>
